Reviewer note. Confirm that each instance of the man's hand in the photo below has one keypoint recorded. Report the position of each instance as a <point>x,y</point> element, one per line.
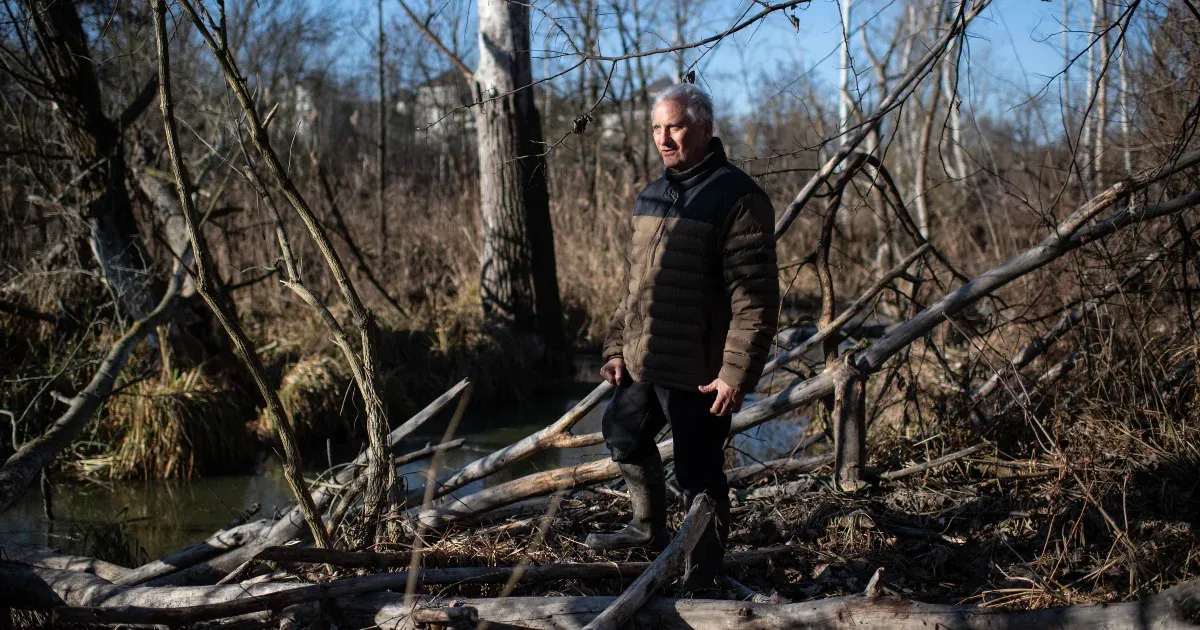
<point>729,399</point>
<point>613,371</point>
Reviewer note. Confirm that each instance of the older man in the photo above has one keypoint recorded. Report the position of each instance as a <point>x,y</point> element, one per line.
<point>693,328</point>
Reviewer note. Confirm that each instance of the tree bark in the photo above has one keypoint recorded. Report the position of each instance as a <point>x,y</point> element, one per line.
<point>219,542</point>
<point>518,282</point>
<point>95,141</point>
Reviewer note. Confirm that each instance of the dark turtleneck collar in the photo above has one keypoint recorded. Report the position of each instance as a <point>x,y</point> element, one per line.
<point>712,161</point>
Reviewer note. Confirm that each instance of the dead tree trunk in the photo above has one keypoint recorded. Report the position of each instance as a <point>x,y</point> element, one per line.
<point>518,282</point>
<point>849,426</point>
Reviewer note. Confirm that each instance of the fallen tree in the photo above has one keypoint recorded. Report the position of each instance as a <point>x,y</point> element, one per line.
<point>82,597</point>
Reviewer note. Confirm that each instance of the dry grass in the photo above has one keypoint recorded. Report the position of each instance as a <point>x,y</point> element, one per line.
<point>314,392</point>
<point>178,426</point>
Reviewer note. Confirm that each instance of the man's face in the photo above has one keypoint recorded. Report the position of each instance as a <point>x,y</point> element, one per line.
<point>681,141</point>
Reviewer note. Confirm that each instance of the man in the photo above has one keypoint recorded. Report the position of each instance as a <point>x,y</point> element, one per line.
<point>693,328</point>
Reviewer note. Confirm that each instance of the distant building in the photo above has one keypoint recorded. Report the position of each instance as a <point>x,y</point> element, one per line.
<point>614,116</point>
<point>438,107</point>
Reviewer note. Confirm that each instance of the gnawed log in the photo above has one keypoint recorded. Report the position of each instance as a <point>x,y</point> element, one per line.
<point>665,567</point>
<point>89,599</point>
<point>63,562</point>
<point>556,435</point>
<point>219,542</point>
<point>447,617</point>
<point>1168,610</point>
<point>290,525</point>
<point>849,426</point>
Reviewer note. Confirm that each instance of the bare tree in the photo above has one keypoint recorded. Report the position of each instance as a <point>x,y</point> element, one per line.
<point>69,80</point>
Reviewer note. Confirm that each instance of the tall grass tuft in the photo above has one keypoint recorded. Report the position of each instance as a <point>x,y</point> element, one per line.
<point>178,426</point>
<point>316,394</point>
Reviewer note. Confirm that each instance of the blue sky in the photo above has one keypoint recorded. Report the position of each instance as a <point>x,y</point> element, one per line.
<point>1013,56</point>
<point>1015,48</point>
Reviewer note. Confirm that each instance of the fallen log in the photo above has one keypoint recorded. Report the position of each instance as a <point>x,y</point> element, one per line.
<point>291,524</point>
<point>77,597</point>
<point>893,475</point>
<point>665,567</point>
<point>851,311</point>
<point>1168,610</point>
<point>219,542</point>
<point>428,451</point>
<point>529,486</point>
<point>556,435</point>
<point>335,557</point>
<point>63,562</point>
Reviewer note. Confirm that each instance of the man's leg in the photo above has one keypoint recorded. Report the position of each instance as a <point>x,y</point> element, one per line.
<point>700,467</point>
<point>631,422</point>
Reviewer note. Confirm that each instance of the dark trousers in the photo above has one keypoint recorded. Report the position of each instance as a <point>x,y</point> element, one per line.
<point>638,411</point>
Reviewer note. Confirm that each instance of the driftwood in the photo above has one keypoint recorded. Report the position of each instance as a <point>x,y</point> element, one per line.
<point>556,435</point>
<point>84,598</point>
<point>219,542</point>
<point>666,566</point>
<point>62,562</point>
<point>1168,610</point>
<point>290,525</point>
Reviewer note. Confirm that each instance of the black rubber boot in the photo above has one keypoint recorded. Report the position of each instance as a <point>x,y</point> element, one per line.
<point>648,493</point>
<point>704,563</point>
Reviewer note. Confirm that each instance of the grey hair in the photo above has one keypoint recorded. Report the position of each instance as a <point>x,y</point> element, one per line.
<point>697,102</point>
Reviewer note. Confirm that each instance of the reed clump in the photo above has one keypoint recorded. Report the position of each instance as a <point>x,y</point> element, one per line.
<point>316,394</point>
<point>182,424</point>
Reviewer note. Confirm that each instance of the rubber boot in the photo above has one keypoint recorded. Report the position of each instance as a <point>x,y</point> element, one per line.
<point>648,492</point>
<point>704,563</point>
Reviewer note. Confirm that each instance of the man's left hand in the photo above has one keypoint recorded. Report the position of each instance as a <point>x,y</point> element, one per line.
<point>729,399</point>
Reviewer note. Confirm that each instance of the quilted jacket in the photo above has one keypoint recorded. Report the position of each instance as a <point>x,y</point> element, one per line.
<point>701,290</point>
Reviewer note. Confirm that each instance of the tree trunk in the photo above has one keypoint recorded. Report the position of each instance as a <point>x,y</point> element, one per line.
<point>381,148</point>
<point>518,282</point>
<point>95,140</point>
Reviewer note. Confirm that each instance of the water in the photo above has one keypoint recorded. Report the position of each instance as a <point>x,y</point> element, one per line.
<point>164,516</point>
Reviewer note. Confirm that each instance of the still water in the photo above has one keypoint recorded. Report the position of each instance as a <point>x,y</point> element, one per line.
<point>164,516</point>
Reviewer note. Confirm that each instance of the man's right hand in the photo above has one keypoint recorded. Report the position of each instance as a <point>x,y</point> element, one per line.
<point>613,371</point>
